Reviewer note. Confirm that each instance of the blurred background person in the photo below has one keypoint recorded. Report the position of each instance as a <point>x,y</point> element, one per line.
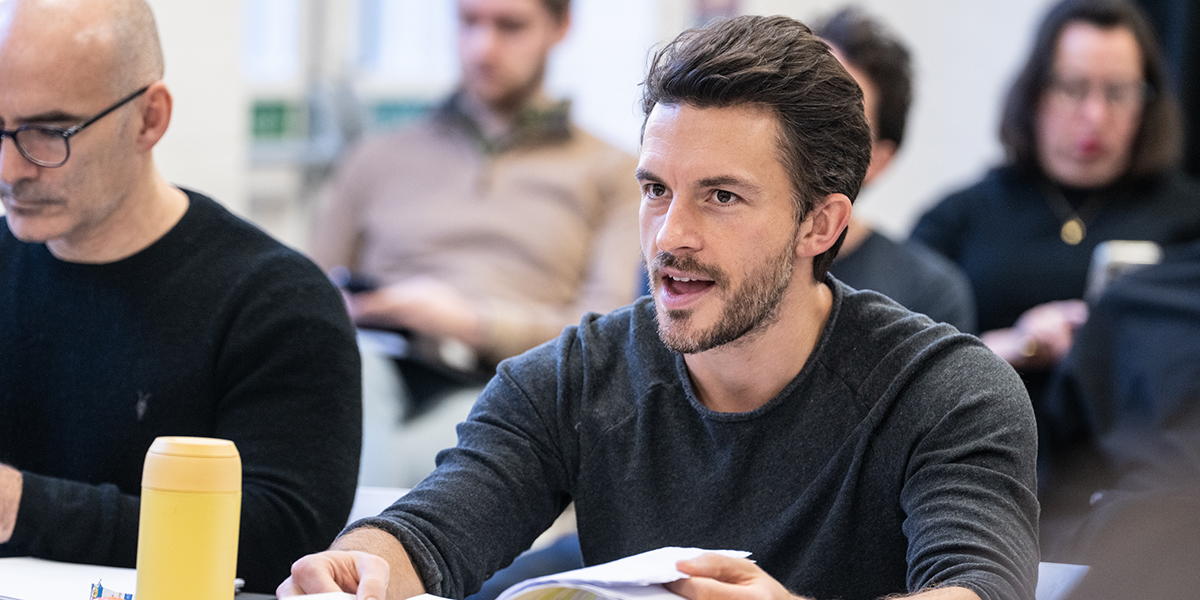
<point>1092,135</point>
<point>1120,438</point>
<point>911,274</point>
<point>494,222</point>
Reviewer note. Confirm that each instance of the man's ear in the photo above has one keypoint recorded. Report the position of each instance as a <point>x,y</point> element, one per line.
<point>562,27</point>
<point>824,225</point>
<point>156,107</point>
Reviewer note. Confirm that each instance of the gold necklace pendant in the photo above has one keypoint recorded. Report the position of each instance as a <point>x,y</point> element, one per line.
<point>1073,231</point>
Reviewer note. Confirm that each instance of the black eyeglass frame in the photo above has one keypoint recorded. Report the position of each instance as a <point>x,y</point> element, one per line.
<point>66,134</point>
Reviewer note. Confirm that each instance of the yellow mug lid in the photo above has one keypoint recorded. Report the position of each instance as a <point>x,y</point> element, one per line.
<point>192,464</point>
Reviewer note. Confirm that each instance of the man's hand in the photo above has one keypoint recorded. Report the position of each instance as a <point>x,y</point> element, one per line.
<point>1041,337</point>
<point>422,304</point>
<point>368,562</point>
<point>360,573</point>
<point>11,484</point>
<point>718,577</point>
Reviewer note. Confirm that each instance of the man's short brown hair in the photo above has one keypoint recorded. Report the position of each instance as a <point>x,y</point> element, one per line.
<point>776,63</point>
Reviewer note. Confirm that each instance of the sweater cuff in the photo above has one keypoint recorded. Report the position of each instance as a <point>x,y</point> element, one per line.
<point>31,511</point>
<point>420,553</point>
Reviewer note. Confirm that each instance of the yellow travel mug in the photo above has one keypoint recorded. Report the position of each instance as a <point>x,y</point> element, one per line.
<point>188,528</point>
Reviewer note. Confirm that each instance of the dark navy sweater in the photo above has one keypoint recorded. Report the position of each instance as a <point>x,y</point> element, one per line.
<point>214,330</point>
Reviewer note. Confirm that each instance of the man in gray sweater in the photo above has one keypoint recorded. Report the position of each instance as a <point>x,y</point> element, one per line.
<point>855,448</point>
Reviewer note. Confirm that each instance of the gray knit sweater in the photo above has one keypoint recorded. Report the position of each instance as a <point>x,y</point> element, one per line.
<point>900,457</point>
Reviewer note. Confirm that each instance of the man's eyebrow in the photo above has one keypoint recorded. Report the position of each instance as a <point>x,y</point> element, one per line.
<point>643,174</point>
<point>727,181</point>
<point>707,182</point>
<point>53,116</point>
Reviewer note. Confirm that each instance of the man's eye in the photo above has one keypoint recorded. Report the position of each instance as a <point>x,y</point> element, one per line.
<point>725,197</point>
<point>510,26</point>
<point>655,190</point>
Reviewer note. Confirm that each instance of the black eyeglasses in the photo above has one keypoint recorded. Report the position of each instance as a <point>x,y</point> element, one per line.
<point>47,146</point>
<point>1118,95</point>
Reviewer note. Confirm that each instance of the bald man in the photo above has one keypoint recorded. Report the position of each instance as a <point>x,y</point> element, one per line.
<point>133,309</point>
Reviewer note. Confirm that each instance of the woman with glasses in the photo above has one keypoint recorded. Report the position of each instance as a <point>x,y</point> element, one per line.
<point>1093,140</point>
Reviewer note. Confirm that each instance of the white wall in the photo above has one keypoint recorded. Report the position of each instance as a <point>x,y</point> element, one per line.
<point>601,62</point>
<point>965,56</point>
<point>206,146</point>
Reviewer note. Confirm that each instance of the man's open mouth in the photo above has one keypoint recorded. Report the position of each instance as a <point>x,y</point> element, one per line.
<point>685,285</point>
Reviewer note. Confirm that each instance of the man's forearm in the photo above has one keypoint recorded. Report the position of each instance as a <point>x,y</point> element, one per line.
<point>10,500</point>
<point>403,581</point>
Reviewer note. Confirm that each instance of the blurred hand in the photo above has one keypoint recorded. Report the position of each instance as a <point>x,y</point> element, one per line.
<point>1041,337</point>
<point>360,573</point>
<point>11,486</point>
<point>719,577</point>
<point>421,304</point>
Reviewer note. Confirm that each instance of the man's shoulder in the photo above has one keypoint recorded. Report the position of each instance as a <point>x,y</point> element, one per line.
<point>440,132</point>
<point>915,263</point>
<point>913,275</point>
<point>878,347</point>
<point>880,318</point>
<point>630,331</point>
<point>222,247</point>
<point>246,281</point>
<point>936,281</point>
<point>409,137</point>
<point>438,127</point>
<point>223,229</point>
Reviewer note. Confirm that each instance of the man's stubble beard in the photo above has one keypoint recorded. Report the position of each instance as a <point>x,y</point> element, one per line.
<point>514,98</point>
<point>747,310</point>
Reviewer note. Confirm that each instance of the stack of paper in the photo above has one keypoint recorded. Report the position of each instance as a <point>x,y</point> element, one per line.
<point>637,577</point>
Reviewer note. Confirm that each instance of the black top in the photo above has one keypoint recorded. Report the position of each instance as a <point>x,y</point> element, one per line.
<point>911,274</point>
<point>214,330</point>
<point>1004,233</point>
<point>901,456</point>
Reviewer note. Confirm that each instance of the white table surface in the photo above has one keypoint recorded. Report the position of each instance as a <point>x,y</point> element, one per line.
<point>37,579</point>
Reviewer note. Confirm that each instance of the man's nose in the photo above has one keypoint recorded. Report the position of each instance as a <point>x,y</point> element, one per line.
<point>481,42</point>
<point>13,165</point>
<point>679,228</point>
